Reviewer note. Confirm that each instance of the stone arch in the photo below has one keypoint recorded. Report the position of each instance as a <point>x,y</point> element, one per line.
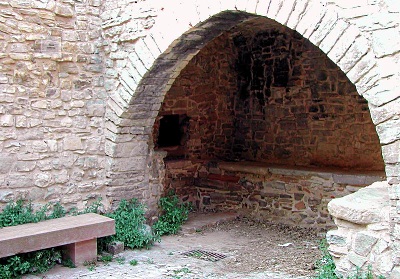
<point>158,58</point>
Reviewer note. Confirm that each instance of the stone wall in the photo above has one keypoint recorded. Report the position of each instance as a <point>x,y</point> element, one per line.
<point>363,236</point>
<point>52,101</point>
<point>203,92</point>
<point>296,196</point>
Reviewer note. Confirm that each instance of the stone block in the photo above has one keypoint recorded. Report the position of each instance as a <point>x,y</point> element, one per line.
<point>313,14</point>
<point>6,196</point>
<point>391,152</point>
<point>356,259</point>
<point>327,43</point>
<point>296,13</point>
<point>126,149</point>
<point>362,207</point>
<point>7,120</point>
<point>115,247</point>
<point>42,104</point>
<point>72,143</point>
<point>343,44</point>
<point>6,163</point>
<point>384,91</point>
<point>362,67</point>
<point>273,8</point>
<point>384,263</point>
<point>363,243</point>
<point>381,246</point>
<point>81,252</point>
<point>385,112</point>
<point>25,166</point>
<point>18,181</point>
<point>385,41</point>
<point>328,22</point>
<point>42,180</point>
<point>144,53</point>
<point>336,237</point>
<point>128,164</point>
<point>389,131</point>
<point>358,49</point>
<point>286,11</point>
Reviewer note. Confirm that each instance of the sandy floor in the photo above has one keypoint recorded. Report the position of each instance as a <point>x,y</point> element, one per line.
<point>251,250</point>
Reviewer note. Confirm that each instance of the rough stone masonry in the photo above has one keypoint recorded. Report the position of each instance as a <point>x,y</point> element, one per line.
<point>82,83</point>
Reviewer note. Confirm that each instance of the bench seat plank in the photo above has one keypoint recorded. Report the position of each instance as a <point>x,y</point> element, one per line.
<point>52,233</point>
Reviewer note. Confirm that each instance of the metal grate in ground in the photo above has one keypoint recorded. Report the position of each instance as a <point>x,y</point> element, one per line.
<point>204,255</point>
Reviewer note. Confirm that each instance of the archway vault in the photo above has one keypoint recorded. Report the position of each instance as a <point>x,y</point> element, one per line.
<point>157,59</point>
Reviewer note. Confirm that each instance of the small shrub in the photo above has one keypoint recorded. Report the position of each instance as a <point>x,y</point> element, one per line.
<point>120,260</point>
<point>32,262</point>
<point>106,258</point>
<point>130,226</point>
<point>174,214</point>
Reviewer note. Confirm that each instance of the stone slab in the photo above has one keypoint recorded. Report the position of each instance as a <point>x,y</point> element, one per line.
<point>366,206</point>
<point>52,233</point>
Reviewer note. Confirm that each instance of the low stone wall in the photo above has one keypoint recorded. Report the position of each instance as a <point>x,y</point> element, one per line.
<point>297,196</point>
<point>362,238</point>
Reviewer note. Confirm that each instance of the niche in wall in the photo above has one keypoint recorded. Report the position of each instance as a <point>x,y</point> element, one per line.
<point>172,134</point>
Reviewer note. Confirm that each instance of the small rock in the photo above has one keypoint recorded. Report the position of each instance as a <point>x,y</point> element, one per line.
<point>115,247</point>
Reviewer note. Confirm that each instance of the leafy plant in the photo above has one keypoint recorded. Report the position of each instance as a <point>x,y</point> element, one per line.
<point>33,262</point>
<point>325,266</point>
<point>133,262</point>
<point>130,226</point>
<point>106,258</point>
<point>174,214</point>
<point>120,260</point>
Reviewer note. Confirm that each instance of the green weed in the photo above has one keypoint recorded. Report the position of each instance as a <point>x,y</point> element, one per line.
<point>120,260</point>
<point>130,226</point>
<point>106,258</point>
<point>133,262</point>
<point>174,214</point>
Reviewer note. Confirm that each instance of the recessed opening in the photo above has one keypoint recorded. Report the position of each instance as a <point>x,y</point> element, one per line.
<point>276,128</point>
<point>172,134</point>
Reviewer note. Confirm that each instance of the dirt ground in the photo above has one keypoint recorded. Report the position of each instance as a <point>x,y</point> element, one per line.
<point>251,249</point>
<point>272,247</point>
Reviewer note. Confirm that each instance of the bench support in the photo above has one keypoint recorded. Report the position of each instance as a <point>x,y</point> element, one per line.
<point>81,252</point>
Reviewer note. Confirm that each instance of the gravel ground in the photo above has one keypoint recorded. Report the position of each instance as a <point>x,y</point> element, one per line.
<point>252,250</point>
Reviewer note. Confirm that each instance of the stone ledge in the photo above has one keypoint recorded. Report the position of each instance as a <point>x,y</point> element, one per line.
<point>368,205</point>
<point>339,176</point>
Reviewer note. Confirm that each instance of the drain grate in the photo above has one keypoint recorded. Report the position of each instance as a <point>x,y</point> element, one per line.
<point>204,255</point>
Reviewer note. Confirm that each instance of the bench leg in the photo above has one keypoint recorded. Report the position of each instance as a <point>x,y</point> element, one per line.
<point>84,251</point>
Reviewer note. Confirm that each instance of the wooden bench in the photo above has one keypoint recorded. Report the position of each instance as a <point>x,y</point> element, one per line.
<point>78,235</point>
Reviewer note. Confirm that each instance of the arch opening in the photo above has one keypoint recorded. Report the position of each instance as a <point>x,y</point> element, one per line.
<point>274,128</point>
